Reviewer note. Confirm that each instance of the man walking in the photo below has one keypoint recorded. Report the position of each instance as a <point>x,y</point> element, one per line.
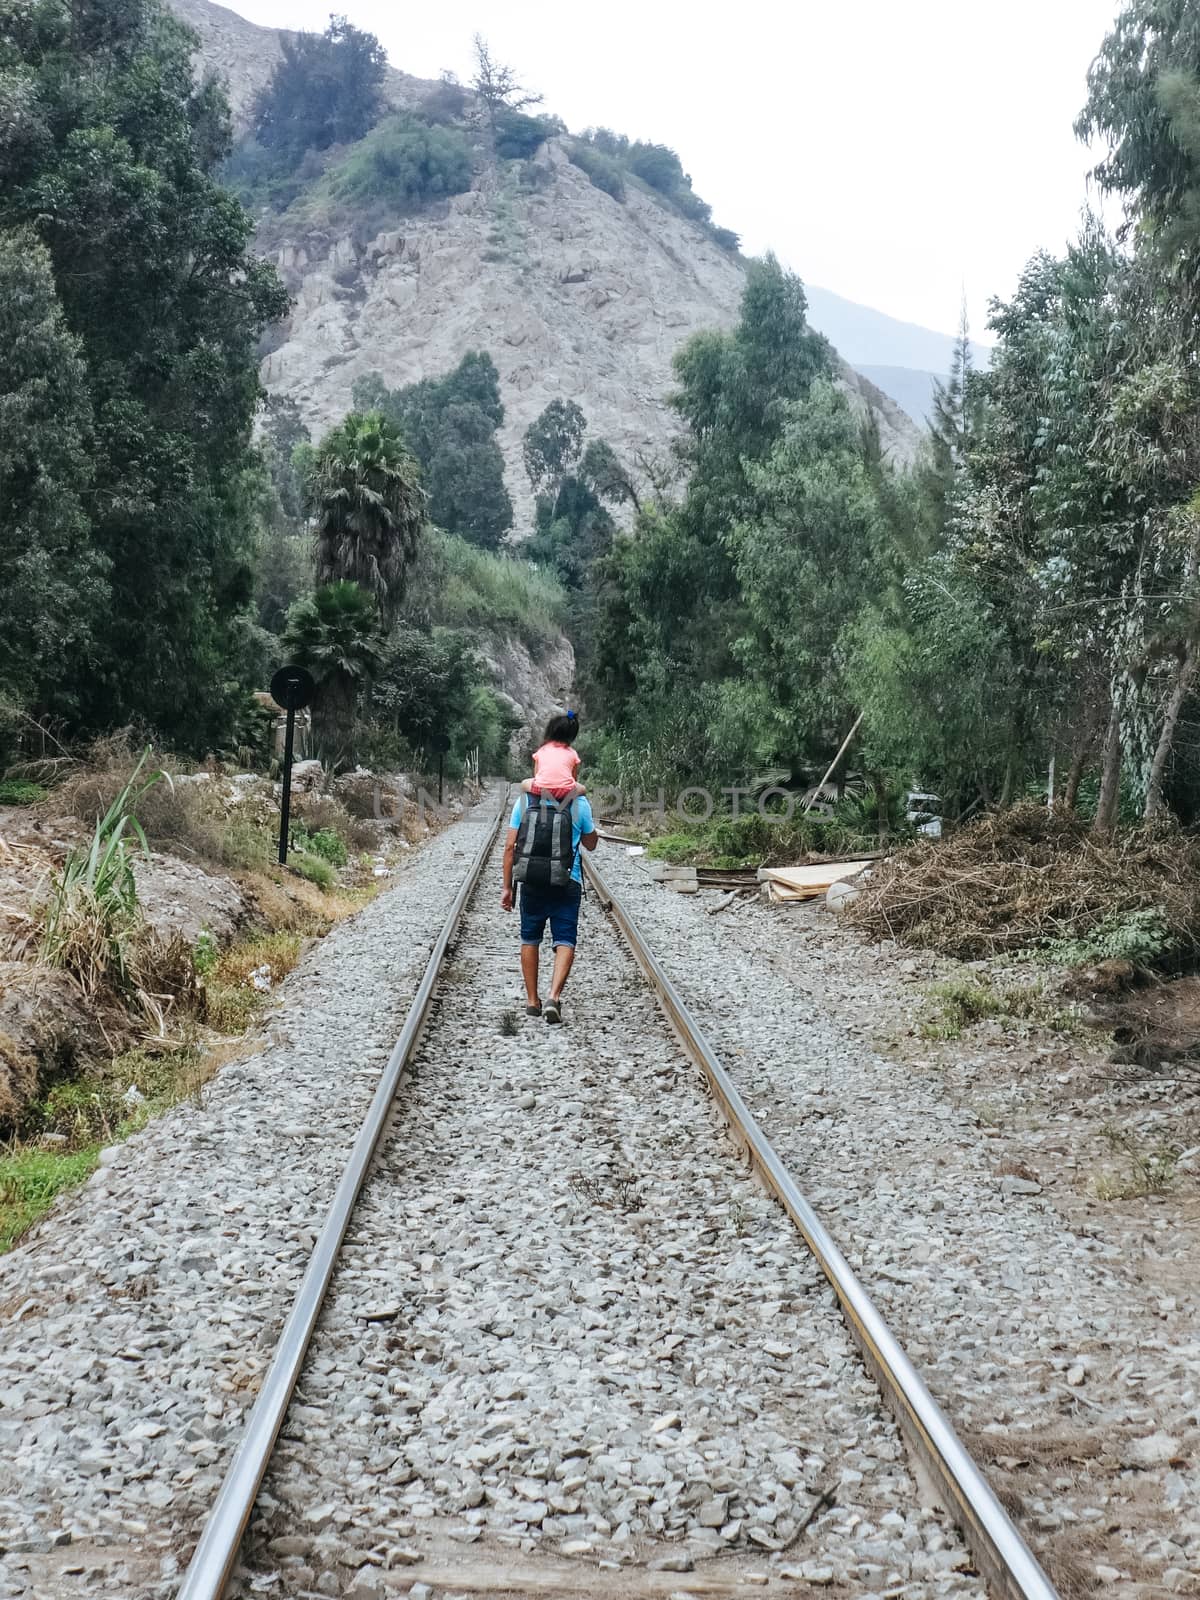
<point>548,865</point>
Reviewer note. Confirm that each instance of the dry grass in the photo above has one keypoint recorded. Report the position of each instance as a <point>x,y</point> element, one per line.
<point>243,978</point>
<point>1145,1169</point>
<point>189,815</point>
<point>1026,878</point>
<point>317,811</point>
<point>292,904</point>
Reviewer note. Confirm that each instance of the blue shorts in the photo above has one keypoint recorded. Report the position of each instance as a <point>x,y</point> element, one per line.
<point>558,907</point>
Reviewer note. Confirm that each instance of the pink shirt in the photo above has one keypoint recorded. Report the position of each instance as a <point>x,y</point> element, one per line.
<point>555,766</point>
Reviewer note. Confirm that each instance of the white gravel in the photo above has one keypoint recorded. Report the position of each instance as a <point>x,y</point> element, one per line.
<point>137,1320</point>
<point>567,1324</point>
<point>1049,1340</point>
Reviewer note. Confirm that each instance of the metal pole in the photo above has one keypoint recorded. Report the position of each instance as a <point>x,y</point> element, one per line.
<point>285,805</point>
<point>833,764</point>
<point>441,776</point>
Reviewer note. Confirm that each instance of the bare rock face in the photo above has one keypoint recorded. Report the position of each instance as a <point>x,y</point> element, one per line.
<point>531,687</point>
<point>574,295</point>
<point>240,53</point>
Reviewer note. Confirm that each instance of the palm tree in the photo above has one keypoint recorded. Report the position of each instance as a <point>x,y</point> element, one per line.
<point>365,491</point>
<point>335,634</point>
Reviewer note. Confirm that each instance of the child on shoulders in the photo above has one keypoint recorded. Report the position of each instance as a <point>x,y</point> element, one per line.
<point>555,763</point>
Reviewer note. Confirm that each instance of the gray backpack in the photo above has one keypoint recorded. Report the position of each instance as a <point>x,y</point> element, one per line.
<point>544,852</point>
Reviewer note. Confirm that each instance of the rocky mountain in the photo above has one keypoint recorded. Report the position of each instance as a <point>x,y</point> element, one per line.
<point>573,294</point>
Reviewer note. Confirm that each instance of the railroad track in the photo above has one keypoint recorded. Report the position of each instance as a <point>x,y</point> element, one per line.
<point>553,1340</point>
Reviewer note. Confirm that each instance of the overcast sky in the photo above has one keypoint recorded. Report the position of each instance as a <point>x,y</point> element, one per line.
<point>895,151</point>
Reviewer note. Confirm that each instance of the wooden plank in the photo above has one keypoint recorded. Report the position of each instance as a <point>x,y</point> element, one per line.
<point>579,1578</point>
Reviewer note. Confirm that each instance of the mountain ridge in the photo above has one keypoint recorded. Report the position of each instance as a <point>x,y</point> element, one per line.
<point>575,294</point>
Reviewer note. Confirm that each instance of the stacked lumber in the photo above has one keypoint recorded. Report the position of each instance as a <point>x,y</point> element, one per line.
<point>785,885</point>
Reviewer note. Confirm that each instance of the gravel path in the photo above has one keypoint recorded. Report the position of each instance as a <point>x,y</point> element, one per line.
<point>568,1326</point>
<point>1072,1377</point>
<point>136,1322</point>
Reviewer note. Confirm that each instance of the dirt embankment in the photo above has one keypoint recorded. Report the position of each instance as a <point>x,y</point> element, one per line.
<point>208,880</point>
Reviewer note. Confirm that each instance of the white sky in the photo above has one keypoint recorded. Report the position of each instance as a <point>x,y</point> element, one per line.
<point>895,151</point>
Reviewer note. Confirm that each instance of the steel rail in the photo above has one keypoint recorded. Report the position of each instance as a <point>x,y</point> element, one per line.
<point>213,1561</point>
<point>1009,1567</point>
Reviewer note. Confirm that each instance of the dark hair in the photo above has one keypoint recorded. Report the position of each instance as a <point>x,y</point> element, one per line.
<point>562,730</point>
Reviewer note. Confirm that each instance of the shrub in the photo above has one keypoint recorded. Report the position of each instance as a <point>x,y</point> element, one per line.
<point>403,162</point>
<point>518,136</point>
<point>748,840</point>
<point>314,869</point>
<point>726,239</point>
<point>246,846</point>
<point>326,813</point>
<point>1143,937</point>
<point>19,792</point>
<point>603,171</point>
<point>324,842</point>
<point>444,103</point>
<point>657,165</point>
<point>458,585</point>
<point>690,205</point>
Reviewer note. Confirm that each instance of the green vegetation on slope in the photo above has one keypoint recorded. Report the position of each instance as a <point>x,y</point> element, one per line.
<point>609,159</point>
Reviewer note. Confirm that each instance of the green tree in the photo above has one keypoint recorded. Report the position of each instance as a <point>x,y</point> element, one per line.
<point>433,686</point>
<point>805,562</point>
<point>450,425</point>
<point>403,163</point>
<point>55,581</point>
<point>607,475</point>
<point>335,634</point>
<point>501,93</point>
<point>112,161</point>
<point>284,431</point>
<point>552,445</point>
<point>369,508</point>
<point>326,89</point>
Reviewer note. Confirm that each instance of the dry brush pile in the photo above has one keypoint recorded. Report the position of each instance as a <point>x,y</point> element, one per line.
<point>1029,879</point>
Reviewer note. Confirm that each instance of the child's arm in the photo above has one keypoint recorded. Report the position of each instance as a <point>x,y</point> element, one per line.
<point>527,785</point>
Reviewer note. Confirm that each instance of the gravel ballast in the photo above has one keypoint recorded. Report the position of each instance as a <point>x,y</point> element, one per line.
<point>1064,1346</point>
<point>136,1322</point>
<point>567,1323</point>
<point>568,1332</point>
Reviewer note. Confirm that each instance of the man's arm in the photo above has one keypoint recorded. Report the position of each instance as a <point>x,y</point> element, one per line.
<point>510,846</point>
<point>587,839</point>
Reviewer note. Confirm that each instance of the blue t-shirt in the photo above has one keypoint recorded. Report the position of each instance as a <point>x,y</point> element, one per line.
<point>581,823</point>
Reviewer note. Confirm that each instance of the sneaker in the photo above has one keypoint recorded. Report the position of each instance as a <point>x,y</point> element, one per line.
<point>552,1010</point>
<point>534,1011</point>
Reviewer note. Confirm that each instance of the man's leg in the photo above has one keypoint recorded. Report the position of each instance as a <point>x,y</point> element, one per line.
<point>529,971</point>
<point>533,925</point>
<point>564,955</point>
<point>564,931</point>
